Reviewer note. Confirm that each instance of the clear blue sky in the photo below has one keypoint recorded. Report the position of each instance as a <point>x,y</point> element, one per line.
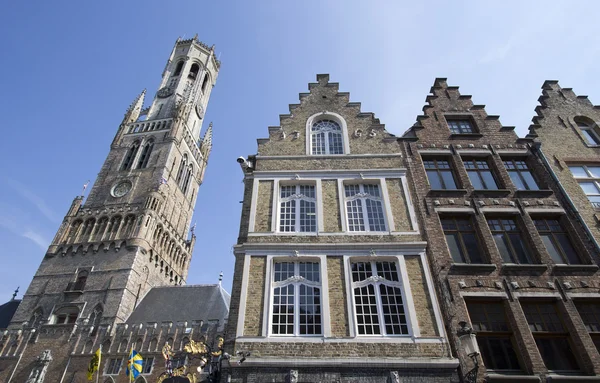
<point>69,69</point>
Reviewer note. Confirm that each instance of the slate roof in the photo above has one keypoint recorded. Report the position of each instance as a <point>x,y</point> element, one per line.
<point>182,303</point>
<point>7,311</point>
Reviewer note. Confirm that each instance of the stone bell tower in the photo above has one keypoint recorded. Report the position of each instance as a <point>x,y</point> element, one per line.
<point>133,231</point>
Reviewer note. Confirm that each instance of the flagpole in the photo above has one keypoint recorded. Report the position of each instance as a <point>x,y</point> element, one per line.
<point>99,361</point>
<point>131,364</point>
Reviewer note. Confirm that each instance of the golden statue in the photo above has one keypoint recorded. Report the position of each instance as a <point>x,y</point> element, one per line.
<point>195,348</point>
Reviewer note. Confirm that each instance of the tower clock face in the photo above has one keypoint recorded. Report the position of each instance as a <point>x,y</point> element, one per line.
<point>120,189</point>
<point>164,92</point>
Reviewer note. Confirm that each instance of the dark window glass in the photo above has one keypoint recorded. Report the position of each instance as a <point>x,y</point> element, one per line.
<point>520,175</point>
<point>590,314</point>
<point>494,336</point>
<point>114,365</point>
<point>147,365</point>
<point>557,241</point>
<point>439,174</point>
<point>590,135</point>
<point>550,335</point>
<point>178,68</point>
<point>130,156</point>
<point>508,239</point>
<point>462,240</point>
<point>460,126</point>
<point>480,175</point>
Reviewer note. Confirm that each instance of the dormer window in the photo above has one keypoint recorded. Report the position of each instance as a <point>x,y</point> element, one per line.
<point>326,138</point>
<point>66,315</point>
<point>462,126</point>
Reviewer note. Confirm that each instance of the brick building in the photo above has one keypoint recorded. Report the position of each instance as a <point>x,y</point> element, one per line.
<point>331,282</point>
<point>508,254</point>
<point>103,279</point>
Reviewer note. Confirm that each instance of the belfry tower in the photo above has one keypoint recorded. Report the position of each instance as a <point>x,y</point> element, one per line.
<point>133,231</point>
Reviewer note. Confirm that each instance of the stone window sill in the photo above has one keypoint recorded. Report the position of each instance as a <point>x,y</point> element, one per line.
<point>533,193</point>
<point>572,378</point>
<point>535,269</point>
<point>493,377</point>
<point>465,135</point>
<point>491,192</point>
<point>565,269</point>
<point>472,268</point>
<point>447,192</point>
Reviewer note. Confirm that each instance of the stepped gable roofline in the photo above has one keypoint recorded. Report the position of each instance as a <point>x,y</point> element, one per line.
<point>7,311</point>
<point>181,304</point>
<point>323,81</point>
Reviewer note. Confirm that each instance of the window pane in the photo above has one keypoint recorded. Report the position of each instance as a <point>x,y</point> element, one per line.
<point>361,271</point>
<point>387,270</point>
<point>318,143</point>
<point>366,310</point>
<point>590,314</point>
<point>393,310</point>
<point>590,137</point>
<point>283,310</point>
<point>448,179</point>
<point>308,216</point>
<point>522,254</point>
<point>519,184</point>
<point>455,249</point>
<point>488,180</point>
<point>497,353</point>
<point>589,188</point>
<point>475,180</point>
<point>594,170</point>
<point>503,247</point>
<point>355,215</point>
<point>434,179</point>
<point>310,310</point>
<point>472,247</point>
<point>287,216</point>
<point>556,353</point>
<point>375,215</point>
<point>552,250</point>
<point>567,248</point>
<point>578,171</point>
<point>335,143</point>
<point>529,180</point>
<point>310,271</point>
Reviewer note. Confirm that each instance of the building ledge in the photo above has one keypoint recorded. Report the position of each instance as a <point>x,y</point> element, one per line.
<point>566,269</point>
<point>425,363</point>
<point>572,378</point>
<point>472,268</point>
<point>542,193</point>
<point>493,378</point>
<point>516,268</point>
<point>446,192</point>
<point>465,135</point>
<point>491,193</point>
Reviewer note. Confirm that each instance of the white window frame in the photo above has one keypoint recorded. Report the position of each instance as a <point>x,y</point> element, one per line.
<point>297,197</point>
<point>592,128</point>
<point>108,366</point>
<point>402,284</point>
<point>383,198</point>
<point>590,178</point>
<point>271,285</point>
<point>327,116</point>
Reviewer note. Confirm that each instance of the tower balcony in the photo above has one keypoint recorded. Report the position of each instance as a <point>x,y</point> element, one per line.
<point>149,126</point>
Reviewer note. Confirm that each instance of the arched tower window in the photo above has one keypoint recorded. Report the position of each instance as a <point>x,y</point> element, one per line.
<point>204,83</point>
<point>145,156</point>
<point>188,177</point>
<point>178,68</point>
<point>81,281</point>
<point>123,346</point>
<point>153,344</point>
<point>130,156</point>
<point>326,137</point>
<point>194,71</point>
<point>182,167</point>
<point>73,231</point>
<point>96,317</point>
<point>36,318</point>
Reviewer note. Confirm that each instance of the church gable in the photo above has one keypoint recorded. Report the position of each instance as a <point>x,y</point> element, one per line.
<point>326,123</point>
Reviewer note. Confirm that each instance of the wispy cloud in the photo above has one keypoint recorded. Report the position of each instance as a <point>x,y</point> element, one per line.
<point>497,53</point>
<point>15,227</point>
<point>37,238</point>
<point>36,200</point>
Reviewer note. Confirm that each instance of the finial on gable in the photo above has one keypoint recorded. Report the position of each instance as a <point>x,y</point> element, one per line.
<point>17,291</point>
<point>220,278</point>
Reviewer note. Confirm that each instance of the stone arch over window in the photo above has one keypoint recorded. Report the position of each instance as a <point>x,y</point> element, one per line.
<point>185,340</point>
<point>87,229</point>
<point>326,134</point>
<point>114,225</point>
<point>106,346</point>
<point>178,68</point>
<point>96,316</point>
<point>130,156</point>
<point>65,315</point>
<point>153,345</point>
<point>145,156</point>
<point>123,346</point>
<point>36,317</point>
<point>128,225</point>
<point>100,228</point>
<point>194,71</point>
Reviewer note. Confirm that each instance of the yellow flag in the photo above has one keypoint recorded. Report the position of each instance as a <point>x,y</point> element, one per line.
<point>94,364</point>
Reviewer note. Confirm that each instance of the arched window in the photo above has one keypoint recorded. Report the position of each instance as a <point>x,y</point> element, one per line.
<point>36,317</point>
<point>87,348</point>
<point>96,317</point>
<point>115,223</point>
<point>65,315</point>
<point>73,231</point>
<point>194,71</point>
<point>123,346</point>
<point>100,228</point>
<point>87,229</point>
<point>81,281</point>
<point>138,345</point>
<point>178,69</point>
<point>204,83</point>
<point>185,340</point>
<point>130,156</point>
<point>188,176</point>
<point>589,130</point>
<point>182,167</point>
<point>326,137</point>
<point>153,345</point>
<point>145,156</point>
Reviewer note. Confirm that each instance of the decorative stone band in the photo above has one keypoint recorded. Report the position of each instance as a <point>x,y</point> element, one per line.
<point>427,363</point>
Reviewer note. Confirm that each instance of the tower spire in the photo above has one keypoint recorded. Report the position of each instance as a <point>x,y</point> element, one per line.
<point>134,110</point>
<point>206,145</point>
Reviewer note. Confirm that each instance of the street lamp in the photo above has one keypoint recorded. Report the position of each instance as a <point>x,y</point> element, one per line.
<point>469,344</point>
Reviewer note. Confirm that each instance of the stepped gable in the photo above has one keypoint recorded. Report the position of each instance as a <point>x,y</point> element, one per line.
<point>182,303</point>
<point>364,131</point>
